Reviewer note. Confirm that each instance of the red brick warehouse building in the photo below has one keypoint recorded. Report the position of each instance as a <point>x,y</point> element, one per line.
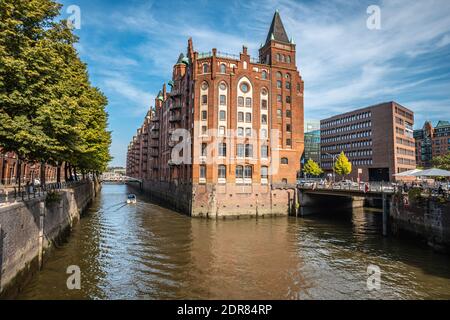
<point>245,121</point>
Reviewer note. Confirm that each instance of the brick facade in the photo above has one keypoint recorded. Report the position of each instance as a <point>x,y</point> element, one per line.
<point>377,140</point>
<point>432,142</point>
<point>244,119</point>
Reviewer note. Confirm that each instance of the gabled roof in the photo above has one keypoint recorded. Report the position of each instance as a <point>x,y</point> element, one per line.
<point>277,31</point>
<point>443,124</point>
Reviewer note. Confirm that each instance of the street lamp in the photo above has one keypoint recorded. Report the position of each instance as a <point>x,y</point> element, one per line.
<point>334,161</point>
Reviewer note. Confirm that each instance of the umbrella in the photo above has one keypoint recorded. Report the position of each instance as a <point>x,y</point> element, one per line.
<point>409,173</point>
<point>434,172</point>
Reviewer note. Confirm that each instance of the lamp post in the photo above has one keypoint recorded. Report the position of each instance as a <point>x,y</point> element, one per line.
<point>334,161</point>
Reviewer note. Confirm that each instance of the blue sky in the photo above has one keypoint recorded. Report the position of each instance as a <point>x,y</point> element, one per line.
<point>130,47</point>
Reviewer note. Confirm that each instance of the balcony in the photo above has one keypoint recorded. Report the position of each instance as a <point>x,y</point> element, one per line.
<point>154,144</point>
<point>154,135</point>
<point>175,107</point>
<point>175,118</point>
<point>154,153</point>
<point>155,127</point>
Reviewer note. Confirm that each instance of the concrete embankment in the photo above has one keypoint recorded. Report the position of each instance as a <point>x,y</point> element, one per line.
<point>29,230</point>
<point>427,218</point>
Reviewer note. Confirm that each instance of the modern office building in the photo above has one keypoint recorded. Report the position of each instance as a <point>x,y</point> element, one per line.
<point>432,142</point>
<point>378,140</point>
<point>244,118</point>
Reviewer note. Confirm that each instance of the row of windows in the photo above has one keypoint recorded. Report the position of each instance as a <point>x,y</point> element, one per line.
<point>359,162</point>
<point>405,142</point>
<point>404,113</point>
<point>406,161</point>
<point>357,135</point>
<point>343,146</point>
<point>356,126</point>
<point>405,152</point>
<point>359,116</point>
<point>242,172</point>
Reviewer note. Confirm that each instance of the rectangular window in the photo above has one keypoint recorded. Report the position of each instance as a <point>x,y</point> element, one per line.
<point>288,128</point>
<point>288,99</point>
<point>239,172</point>
<point>202,171</point>
<point>264,119</point>
<point>240,117</point>
<point>204,115</point>
<point>248,102</point>
<point>204,149</point>
<point>289,142</point>
<point>240,132</point>
<point>248,132</point>
<point>223,100</point>
<point>222,115</point>
<point>204,130</point>
<point>288,113</point>
<point>240,151</point>
<point>279,113</point>
<point>222,130</point>
<point>264,152</point>
<point>288,85</point>
<point>279,98</point>
<point>264,104</point>
<point>222,149</point>
<point>248,117</point>
<point>248,172</point>
<point>222,171</point>
<point>279,84</point>
<point>249,151</point>
<point>241,102</point>
<point>204,99</point>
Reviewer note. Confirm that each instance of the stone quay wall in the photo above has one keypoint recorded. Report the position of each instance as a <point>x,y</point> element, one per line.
<point>29,229</point>
<point>216,201</point>
<point>427,218</point>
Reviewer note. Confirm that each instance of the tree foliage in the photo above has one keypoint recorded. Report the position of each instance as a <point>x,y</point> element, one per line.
<point>342,166</point>
<point>312,168</point>
<point>442,162</point>
<point>49,111</point>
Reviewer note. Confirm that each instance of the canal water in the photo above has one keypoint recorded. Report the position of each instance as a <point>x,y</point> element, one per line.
<point>145,251</point>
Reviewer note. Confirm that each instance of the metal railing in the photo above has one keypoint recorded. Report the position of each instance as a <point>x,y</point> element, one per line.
<point>12,194</point>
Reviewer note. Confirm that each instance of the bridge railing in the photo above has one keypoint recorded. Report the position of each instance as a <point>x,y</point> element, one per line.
<point>378,187</point>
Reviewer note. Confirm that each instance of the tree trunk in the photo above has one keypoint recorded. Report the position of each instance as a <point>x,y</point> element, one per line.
<point>58,173</point>
<point>75,177</point>
<point>42,174</point>
<point>66,176</point>
<point>19,171</point>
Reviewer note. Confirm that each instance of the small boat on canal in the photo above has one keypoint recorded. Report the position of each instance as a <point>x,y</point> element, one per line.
<point>131,199</point>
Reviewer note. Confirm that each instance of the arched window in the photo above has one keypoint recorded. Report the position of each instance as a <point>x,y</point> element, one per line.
<point>288,59</point>
<point>279,75</point>
<point>264,75</point>
<point>282,58</point>
<point>278,57</point>
<point>284,161</point>
<point>223,68</point>
<point>205,68</point>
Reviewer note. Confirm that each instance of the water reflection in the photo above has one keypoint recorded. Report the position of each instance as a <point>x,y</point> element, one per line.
<point>148,252</point>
